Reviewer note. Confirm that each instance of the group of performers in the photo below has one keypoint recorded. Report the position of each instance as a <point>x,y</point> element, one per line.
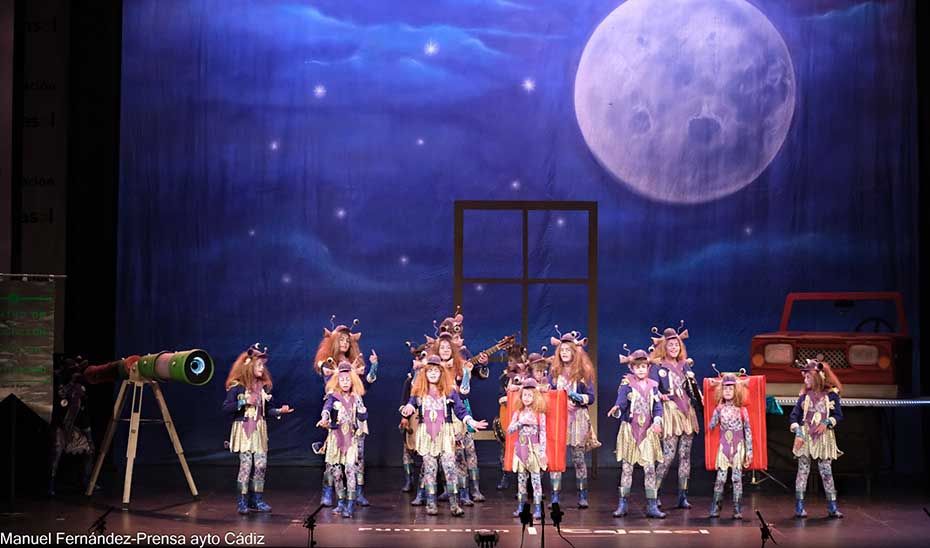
<point>657,405</point>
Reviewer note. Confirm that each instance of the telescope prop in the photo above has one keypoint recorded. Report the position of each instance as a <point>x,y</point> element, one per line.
<point>194,367</point>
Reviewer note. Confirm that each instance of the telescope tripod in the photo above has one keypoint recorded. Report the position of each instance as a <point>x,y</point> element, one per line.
<point>137,384</point>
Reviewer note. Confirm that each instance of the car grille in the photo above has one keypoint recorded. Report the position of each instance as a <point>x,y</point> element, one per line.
<point>836,357</point>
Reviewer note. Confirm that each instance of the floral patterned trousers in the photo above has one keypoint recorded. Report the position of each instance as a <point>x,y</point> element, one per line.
<point>826,475</point>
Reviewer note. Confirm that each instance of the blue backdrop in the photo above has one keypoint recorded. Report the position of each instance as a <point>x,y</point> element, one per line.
<point>285,161</point>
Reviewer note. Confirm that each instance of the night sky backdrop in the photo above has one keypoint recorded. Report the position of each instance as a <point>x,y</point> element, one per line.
<point>285,161</point>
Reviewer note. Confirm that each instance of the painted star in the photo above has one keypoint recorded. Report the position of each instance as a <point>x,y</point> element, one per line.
<point>515,184</point>
<point>340,213</point>
<point>420,142</point>
<point>273,145</point>
<point>404,260</point>
<point>431,48</point>
<point>528,85</point>
<point>319,91</point>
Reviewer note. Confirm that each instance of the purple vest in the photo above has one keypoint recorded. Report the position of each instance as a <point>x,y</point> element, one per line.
<point>731,429</point>
<point>641,406</point>
<point>676,385</point>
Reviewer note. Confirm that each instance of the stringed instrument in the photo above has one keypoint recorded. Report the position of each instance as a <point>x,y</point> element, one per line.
<point>504,344</point>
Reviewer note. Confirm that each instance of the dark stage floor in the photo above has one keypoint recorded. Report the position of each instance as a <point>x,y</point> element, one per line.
<point>891,516</point>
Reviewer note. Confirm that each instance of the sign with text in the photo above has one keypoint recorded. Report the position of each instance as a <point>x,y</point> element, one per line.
<point>27,339</point>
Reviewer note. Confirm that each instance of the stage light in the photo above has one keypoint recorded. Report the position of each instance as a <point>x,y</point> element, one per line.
<point>485,538</point>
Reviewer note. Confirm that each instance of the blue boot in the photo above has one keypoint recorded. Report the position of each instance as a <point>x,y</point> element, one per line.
<point>327,498</point>
<point>241,506</point>
<point>622,509</point>
<point>476,494</point>
<point>360,496</point>
<point>257,503</point>
<point>799,511</point>
<point>832,510</point>
<point>683,499</point>
<point>419,500</point>
<point>465,498</point>
<point>454,507</point>
<point>350,509</point>
<point>537,510</point>
<point>555,498</point>
<point>341,507</point>
<point>504,482</point>
<point>715,505</point>
<point>652,511</point>
<point>408,478</point>
<point>737,508</point>
<point>516,513</point>
<point>444,496</point>
<point>431,507</point>
<point>582,498</point>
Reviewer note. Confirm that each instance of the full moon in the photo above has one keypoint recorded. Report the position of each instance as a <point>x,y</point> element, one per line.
<point>685,101</point>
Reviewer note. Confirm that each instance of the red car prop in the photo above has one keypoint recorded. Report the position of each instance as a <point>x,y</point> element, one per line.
<point>870,364</point>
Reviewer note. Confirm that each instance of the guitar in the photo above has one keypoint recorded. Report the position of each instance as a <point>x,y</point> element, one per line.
<point>504,344</point>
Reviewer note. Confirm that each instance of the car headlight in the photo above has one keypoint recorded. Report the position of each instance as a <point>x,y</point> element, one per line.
<point>779,353</point>
<point>863,354</point>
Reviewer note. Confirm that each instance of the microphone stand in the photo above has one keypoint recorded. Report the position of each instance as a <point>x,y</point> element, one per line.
<point>310,525</point>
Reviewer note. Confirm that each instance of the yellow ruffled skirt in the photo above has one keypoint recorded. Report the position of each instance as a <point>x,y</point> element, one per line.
<point>533,466</point>
<point>444,442</point>
<point>823,448</point>
<point>334,456</point>
<point>579,432</point>
<point>647,453</point>
<point>723,463</point>
<point>240,442</point>
<point>675,422</point>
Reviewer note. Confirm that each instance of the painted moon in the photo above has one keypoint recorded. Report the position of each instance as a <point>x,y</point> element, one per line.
<point>685,101</point>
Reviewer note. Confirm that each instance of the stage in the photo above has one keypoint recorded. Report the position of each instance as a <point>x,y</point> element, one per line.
<point>891,516</point>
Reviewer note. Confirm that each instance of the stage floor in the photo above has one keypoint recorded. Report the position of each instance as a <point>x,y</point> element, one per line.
<point>161,505</point>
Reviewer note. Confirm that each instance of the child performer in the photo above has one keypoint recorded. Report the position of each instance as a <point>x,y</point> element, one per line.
<point>536,367</point>
<point>435,399</point>
<point>529,456</point>
<point>338,345</point>
<point>640,412</point>
<point>572,371</point>
<point>461,370</point>
<point>345,415</point>
<point>511,376</point>
<point>735,450</point>
<point>451,338</point>
<point>408,426</point>
<point>813,421</point>
<point>247,396</point>
<point>679,419</point>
